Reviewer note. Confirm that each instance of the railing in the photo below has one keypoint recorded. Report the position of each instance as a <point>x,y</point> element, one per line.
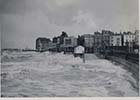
<point>121,52</point>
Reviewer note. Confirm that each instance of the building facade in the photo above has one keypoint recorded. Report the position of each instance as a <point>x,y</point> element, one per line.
<point>106,37</point>
<point>129,41</point>
<point>128,38</point>
<point>116,40</point>
<point>69,44</point>
<point>56,44</point>
<point>137,37</point>
<point>52,46</point>
<point>97,41</point>
<point>42,44</point>
<point>88,43</point>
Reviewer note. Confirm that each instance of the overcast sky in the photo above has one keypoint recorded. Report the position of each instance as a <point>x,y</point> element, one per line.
<point>22,21</point>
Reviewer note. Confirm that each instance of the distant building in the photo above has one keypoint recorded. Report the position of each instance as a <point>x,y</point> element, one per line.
<point>69,44</point>
<point>52,46</point>
<point>97,40</point>
<point>56,42</point>
<point>137,37</point>
<point>62,36</point>
<point>129,41</point>
<point>88,40</point>
<point>88,43</point>
<point>136,42</point>
<point>102,40</point>
<point>106,37</point>
<point>42,44</point>
<point>128,38</point>
<point>80,40</point>
<point>61,40</point>
<point>116,40</point>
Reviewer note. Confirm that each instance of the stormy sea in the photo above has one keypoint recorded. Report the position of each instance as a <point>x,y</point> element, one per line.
<point>47,74</point>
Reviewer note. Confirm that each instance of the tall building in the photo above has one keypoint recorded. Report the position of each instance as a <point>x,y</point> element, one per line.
<point>128,38</point>
<point>88,42</point>
<point>97,40</point>
<point>56,43</point>
<point>116,40</point>
<point>80,40</point>
<point>52,46</point>
<point>106,37</point>
<point>42,44</point>
<point>129,41</point>
<point>62,36</point>
<point>69,44</point>
<point>137,37</point>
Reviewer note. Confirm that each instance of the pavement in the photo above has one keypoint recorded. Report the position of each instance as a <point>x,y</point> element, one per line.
<point>91,57</point>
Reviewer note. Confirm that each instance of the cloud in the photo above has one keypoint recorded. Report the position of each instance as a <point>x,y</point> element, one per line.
<point>126,23</point>
<point>85,19</point>
<point>66,2</point>
<point>21,31</point>
<point>23,21</point>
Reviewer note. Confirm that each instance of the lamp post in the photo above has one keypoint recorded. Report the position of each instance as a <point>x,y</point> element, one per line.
<point>83,56</point>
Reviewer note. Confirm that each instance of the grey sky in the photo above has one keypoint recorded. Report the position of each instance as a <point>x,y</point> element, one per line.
<point>22,21</point>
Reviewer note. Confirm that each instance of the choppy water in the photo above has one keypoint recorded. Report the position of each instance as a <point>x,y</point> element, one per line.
<point>31,74</point>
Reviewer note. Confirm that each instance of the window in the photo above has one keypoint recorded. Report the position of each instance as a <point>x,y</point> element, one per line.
<point>111,41</point>
<point>68,41</point>
<point>118,42</point>
<point>118,39</point>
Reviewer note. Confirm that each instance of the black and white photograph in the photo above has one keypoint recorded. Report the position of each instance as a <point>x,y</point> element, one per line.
<point>69,48</point>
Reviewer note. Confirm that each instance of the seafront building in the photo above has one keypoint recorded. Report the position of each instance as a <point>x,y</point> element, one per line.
<point>97,42</point>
